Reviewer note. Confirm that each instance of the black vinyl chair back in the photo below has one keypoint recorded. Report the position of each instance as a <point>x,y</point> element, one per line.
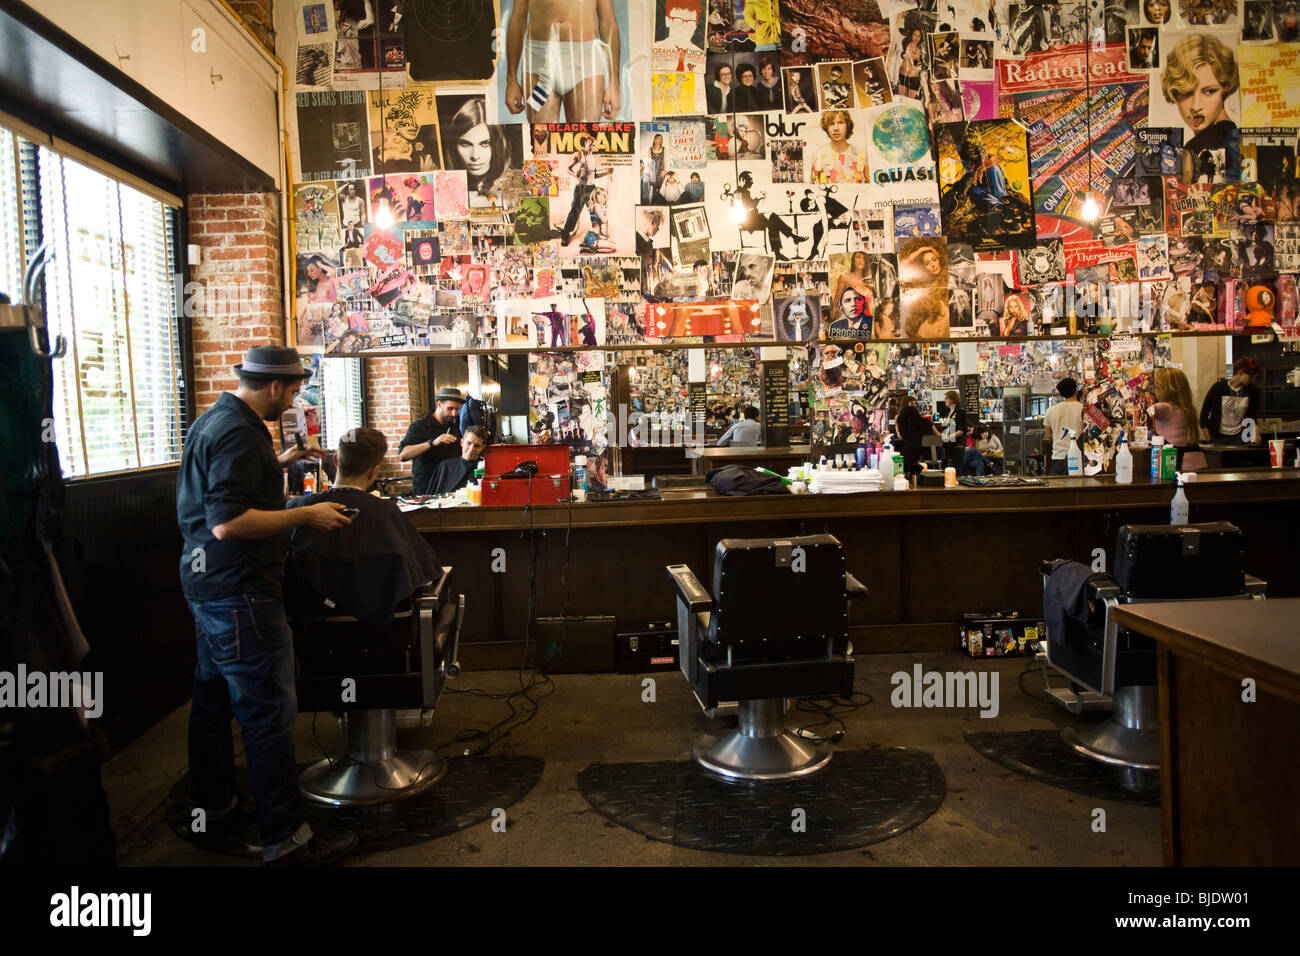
<point>779,598</point>
<point>1172,562</point>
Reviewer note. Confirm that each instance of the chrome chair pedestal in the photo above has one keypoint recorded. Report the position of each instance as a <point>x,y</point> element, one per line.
<point>1130,737</point>
<point>374,771</point>
<point>760,748</point>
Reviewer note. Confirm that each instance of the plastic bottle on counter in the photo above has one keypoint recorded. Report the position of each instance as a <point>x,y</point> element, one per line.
<point>1169,463</point>
<point>309,483</point>
<point>580,475</point>
<point>862,455</point>
<point>887,466</point>
<point>1178,509</point>
<point>1123,463</point>
<point>1074,457</point>
<point>1157,449</point>
<point>900,483</point>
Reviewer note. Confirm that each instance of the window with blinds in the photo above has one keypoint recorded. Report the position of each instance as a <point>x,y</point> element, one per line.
<point>110,290</point>
<point>343,398</point>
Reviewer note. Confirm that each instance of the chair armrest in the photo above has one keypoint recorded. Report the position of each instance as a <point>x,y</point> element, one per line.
<point>854,588</point>
<point>1255,587</point>
<point>1104,589</point>
<point>689,590</point>
<point>435,620</point>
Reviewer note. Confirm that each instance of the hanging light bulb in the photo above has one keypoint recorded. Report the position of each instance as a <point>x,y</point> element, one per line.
<point>384,217</point>
<point>737,211</point>
<point>1091,210</point>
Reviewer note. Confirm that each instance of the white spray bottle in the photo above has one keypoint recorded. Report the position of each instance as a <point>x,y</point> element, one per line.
<point>1123,463</point>
<point>1178,509</point>
<point>1074,457</point>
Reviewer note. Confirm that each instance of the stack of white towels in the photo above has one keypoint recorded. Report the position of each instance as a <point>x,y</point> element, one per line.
<point>834,481</point>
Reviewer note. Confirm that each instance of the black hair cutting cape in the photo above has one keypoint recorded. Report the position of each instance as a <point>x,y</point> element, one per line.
<point>366,570</point>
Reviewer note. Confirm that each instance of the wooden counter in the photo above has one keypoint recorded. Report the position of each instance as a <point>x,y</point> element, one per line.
<point>1228,767</point>
<point>695,505</point>
<point>926,556</point>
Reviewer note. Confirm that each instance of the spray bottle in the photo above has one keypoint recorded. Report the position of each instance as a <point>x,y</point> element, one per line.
<point>1123,462</point>
<point>1074,457</point>
<point>1178,509</point>
<point>887,466</point>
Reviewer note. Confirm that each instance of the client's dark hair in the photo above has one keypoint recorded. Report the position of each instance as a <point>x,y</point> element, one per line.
<point>360,450</point>
<point>478,431</point>
<point>1067,387</point>
<point>751,412</point>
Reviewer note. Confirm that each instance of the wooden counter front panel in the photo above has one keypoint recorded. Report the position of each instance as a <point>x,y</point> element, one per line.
<point>923,569</point>
<point>1229,775</point>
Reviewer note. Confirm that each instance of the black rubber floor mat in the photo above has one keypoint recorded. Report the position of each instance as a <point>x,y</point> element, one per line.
<point>1044,756</point>
<point>862,797</point>
<point>472,789</point>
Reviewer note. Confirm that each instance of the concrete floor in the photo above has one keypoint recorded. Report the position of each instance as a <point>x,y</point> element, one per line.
<point>990,815</point>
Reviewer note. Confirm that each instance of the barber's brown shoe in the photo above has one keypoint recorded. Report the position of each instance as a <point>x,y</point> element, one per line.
<point>323,849</point>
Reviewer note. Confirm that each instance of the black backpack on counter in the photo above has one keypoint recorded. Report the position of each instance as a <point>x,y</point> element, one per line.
<point>744,480</point>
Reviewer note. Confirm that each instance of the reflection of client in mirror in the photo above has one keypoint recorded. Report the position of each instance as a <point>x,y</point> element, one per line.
<point>570,56</point>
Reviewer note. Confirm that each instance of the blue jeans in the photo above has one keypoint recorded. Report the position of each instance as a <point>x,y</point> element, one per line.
<point>245,670</point>
<point>973,459</point>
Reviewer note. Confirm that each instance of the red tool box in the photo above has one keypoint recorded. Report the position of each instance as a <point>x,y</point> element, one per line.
<point>549,486</point>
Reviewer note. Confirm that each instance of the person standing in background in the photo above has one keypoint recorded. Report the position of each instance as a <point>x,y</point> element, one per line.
<point>1067,413</point>
<point>1230,401</point>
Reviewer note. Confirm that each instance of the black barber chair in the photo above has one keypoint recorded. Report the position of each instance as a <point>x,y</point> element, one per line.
<point>402,665</point>
<point>776,626</point>
<point>1152,563</point>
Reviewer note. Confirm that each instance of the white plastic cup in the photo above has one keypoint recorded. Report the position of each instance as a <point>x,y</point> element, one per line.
<point>1275,451</point>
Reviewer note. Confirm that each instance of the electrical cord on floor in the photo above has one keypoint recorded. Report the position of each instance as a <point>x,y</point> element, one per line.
<point>831,710</point>
<point>522,703</point>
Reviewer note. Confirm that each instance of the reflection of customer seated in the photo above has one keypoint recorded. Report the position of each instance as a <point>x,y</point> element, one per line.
<point>981,447</point>
<point>369,568</point>
<point>455,473</point>
<point>746,432</point>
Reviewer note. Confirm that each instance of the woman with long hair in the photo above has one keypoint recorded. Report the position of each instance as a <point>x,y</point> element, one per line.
<point>474,146</point>
<point>1174,416</point>
<point>656,168</point>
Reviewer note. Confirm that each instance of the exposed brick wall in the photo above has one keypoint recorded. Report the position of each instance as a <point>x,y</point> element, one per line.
<point>395,395</point>
<point>239,278</point>
<point>256,15</point>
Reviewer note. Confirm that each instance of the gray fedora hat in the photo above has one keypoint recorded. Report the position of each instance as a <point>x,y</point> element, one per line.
<point>274,360</point>
<point>449,395</point>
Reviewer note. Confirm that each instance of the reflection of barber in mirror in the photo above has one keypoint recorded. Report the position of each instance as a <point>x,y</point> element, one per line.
<point>433,438</point>
<point>570,56</point>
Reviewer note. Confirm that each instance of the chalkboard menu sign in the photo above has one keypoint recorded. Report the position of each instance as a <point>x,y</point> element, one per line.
<point>969,388</point>
<point>698,397</point>
<point>776,404</point>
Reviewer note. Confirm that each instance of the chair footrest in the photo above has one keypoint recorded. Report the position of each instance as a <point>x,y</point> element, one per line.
<point>831,677</point>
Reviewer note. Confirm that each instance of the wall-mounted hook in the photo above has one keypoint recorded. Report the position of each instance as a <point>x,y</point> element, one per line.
<point>213,76</point>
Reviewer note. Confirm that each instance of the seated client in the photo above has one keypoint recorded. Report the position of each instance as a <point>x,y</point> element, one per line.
<point>455,473</point>
<point>382,560</point>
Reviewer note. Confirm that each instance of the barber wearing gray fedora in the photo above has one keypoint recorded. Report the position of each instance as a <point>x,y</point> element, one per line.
<point>230,503</point>
<point>433,439</point>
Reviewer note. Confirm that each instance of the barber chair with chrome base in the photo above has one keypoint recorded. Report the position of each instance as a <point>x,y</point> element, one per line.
<point>401,665</point>
<point>776,626</point>
<point>1152,563</point>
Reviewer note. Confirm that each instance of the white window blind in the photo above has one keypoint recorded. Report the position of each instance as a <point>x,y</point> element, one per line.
<point>343,392</point>
<point>109,290</point>
<point>11,220</point>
